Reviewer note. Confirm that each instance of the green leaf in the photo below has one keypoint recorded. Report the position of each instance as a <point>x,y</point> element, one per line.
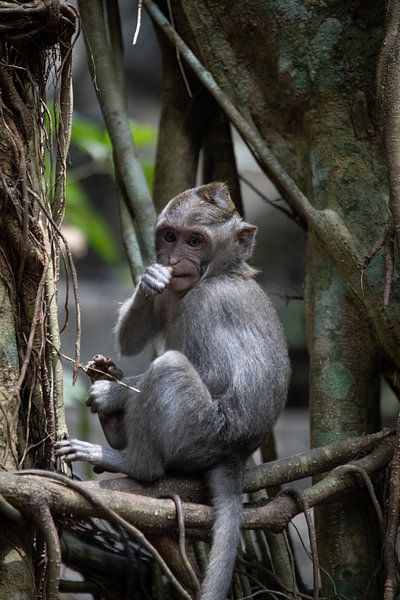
<point>81,213</point>
<point>144,135</point>
<point>90,137</point>
<point>148,170</point>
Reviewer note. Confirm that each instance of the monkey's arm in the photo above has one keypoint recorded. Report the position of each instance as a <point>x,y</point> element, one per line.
<point>138,322</point>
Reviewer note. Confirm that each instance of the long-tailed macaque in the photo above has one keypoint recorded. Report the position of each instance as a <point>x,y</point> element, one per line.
<point>208,401</point>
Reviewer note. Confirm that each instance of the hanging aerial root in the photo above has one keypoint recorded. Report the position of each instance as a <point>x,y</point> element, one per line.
<point>301,498</point>
<point>182,544</point>
<point>390,552</point>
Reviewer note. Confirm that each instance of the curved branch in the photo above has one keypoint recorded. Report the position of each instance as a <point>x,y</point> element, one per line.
<point>274,473</point>
<point>182,543</point>
<point>87,500</point>
<point>277,514</point>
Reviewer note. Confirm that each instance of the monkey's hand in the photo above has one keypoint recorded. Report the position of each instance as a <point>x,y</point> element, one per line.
<point>102,367</point>
<point>154,280</point>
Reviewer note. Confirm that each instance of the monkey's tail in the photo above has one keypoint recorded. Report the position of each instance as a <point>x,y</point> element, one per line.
<point>225,482</point>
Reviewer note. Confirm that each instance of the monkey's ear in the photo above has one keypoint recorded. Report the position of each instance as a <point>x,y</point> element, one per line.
<point>245,238</point>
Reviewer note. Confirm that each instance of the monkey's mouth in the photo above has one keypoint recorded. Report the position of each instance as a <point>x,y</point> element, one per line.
<point>181,275</point>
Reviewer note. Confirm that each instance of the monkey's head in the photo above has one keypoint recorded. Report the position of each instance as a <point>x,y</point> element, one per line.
<point>200,233</point>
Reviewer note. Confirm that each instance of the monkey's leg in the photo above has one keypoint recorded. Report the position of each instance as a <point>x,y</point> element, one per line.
<point>109,397</point>
<point>109,401</point>
<point>172,423</point>
<point>179,415</point>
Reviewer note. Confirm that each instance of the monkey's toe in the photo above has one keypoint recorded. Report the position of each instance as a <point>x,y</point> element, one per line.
<point>72,450</point>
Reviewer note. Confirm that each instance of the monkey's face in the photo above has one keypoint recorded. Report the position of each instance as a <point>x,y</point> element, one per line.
<point>187,251</point>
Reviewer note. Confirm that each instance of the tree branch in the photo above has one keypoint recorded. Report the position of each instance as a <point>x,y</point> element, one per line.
<point>266,475</point>
<point>159,514</point>
<point>388,93</point>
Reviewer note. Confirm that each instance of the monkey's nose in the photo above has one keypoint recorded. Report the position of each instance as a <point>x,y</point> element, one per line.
<point>173,260</point>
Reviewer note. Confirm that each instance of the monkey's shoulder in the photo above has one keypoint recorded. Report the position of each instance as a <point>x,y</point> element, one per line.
<point>231,295</point>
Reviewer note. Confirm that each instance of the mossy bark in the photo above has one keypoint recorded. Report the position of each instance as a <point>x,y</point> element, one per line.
<point>31,403</point>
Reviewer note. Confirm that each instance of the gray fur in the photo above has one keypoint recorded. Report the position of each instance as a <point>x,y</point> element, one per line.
<point>207,403</point>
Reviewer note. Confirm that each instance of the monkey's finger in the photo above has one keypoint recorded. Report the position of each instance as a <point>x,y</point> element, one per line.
<point>160,271</point>
<point>68,448</point>
<point>161,279</point>
<point>152,285</point>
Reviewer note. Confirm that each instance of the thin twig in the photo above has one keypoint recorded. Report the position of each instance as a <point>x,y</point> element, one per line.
<point>292,563</point>
<point>178,56</point>
<point>274,203</point>
<point>85,370</point>
<point>138,22</point>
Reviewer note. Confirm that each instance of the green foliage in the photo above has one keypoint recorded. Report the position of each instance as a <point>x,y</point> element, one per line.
<point>81,212</point>
<point>293,320</point>
<point>92,140</point>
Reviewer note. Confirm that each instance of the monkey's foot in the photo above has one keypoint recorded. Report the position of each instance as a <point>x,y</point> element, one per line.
<point>107,459</point>
<point>71,450</point>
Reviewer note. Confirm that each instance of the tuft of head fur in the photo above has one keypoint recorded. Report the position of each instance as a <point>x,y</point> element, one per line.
<point>209,204</point>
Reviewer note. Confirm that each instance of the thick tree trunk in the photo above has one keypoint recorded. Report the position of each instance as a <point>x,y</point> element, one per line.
<point>32,412</point>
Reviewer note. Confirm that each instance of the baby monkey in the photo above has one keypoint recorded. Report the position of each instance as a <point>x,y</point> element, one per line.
<point>212,397</point>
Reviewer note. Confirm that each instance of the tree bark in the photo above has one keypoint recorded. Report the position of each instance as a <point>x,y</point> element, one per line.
<point>31,403</point>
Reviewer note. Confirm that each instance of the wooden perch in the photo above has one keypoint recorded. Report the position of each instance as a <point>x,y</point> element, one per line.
<point>150,514</point>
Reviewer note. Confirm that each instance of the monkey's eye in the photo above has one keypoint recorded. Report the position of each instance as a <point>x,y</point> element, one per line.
<point>169,236</point>
<point>194,241</point>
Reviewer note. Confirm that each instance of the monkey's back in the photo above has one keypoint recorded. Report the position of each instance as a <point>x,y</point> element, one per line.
<point>229,330</point>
